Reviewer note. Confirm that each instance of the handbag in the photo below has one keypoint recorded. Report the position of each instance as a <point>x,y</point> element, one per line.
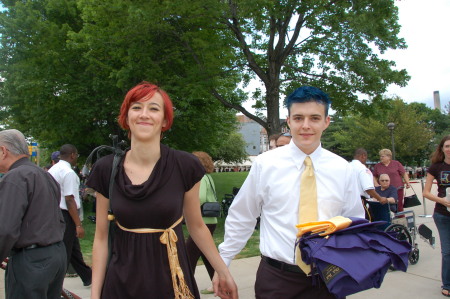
<point>411,201</point>
<point>211,209</point>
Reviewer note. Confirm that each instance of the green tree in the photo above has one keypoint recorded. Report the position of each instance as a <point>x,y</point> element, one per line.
<point>284,44</point>
<point>233,150</point>
<point>437,120</point>
<point>412,133</point>
<point>68,64</point>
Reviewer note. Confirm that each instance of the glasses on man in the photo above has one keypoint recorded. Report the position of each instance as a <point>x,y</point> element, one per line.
<point>384,180</point>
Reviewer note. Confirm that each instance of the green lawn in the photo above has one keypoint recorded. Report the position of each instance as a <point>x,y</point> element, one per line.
<point>224,182</point>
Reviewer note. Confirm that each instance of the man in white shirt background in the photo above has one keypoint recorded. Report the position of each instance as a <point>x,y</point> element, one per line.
<point>365,180</point>
<point>272,190</point>
<point>69,183</point>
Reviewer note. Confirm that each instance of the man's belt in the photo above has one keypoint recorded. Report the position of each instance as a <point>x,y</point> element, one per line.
<point>32,246</point>
<point>281,265</point>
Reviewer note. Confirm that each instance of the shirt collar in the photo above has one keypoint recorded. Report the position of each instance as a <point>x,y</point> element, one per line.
<point>299,156</point>
<point>357,161</point>
<point>65,162</point>
<point>21,161</point>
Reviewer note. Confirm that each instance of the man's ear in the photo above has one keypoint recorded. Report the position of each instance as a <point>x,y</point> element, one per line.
<point>327,121</point>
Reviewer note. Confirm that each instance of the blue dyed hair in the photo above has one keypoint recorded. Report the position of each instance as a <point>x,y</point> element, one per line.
<point>307,94</point>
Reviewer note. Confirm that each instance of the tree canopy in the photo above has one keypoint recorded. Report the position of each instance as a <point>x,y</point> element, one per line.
<point>66,71</point>
<point>333,45</point>
<point>413,134</point>
<point>66,64</point>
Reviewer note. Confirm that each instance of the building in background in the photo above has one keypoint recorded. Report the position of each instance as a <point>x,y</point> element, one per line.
<point>256,142</point>
<point>255,135</point>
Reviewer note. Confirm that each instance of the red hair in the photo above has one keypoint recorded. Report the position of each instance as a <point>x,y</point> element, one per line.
<point>145,89</point>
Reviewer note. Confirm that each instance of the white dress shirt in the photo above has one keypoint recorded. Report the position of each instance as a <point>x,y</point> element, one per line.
<point>272,190</point>
<point>364,177</point>
<point>68,180</point>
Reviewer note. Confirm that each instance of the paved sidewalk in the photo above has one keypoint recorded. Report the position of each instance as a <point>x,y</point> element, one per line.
<point>420,281</point>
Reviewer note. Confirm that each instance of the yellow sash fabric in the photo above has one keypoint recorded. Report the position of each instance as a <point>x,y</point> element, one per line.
<point>323,228</point>
<point>169,238</point>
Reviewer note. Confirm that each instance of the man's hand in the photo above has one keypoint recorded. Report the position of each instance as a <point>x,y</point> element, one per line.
<point>383,200</point>
<point>80,231</point>
<point>391,200</point>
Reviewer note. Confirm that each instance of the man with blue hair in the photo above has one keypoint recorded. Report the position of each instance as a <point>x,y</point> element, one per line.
<point>276,190</point>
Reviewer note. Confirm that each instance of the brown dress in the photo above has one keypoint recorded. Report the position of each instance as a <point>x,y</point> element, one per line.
<point>139,266</point>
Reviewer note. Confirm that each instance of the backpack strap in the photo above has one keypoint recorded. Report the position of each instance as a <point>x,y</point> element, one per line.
<point>118,154</point>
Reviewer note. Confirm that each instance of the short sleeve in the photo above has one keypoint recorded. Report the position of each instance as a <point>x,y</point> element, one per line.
<point>70,184</point>
<point>433,170</point>
<point>394,193</point>
<point>375,171</point>
<point>99,176</point>
<point>191,169</point>
<point>401,169</point>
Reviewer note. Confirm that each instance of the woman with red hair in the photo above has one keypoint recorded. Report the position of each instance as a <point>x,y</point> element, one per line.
<point>154,188</point>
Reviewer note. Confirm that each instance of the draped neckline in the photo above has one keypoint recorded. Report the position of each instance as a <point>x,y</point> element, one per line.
<point>161,173</point>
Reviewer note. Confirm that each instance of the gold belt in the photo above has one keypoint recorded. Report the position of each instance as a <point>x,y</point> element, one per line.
<point>169,238</point>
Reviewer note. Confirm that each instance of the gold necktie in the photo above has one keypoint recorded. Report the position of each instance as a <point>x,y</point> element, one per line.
<point>307,210</point>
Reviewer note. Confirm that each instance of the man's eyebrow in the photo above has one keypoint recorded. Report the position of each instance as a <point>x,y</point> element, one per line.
<point>300,114</point>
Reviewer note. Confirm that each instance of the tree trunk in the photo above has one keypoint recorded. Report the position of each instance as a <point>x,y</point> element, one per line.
<point>273,111</point>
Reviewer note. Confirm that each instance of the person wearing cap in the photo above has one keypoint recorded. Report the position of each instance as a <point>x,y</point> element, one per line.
<point>55,157</point>
<point>70,202</point>
<point>31,224</point>
<point>273,189</point>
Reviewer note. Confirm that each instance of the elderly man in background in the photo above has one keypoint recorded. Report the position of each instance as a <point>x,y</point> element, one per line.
<point>396,172</point>
<point>383,212</point>
<point>31,224</point>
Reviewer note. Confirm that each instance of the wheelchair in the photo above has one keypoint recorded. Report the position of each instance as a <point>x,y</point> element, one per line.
<point>403,226</point>
<point>228,200</point>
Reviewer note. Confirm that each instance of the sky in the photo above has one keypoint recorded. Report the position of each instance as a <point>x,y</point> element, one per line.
<point>426,29</point>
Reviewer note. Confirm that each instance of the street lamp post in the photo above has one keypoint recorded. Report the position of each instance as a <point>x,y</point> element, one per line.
<point>391,127</point>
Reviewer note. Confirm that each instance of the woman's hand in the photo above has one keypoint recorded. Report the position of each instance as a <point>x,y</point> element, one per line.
<point>224,285</point>
<point>444,202</point>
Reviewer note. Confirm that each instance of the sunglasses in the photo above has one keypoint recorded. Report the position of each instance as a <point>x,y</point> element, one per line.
<point>384,180</point>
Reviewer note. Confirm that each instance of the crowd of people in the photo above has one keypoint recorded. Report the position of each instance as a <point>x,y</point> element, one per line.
<point>139,249</point>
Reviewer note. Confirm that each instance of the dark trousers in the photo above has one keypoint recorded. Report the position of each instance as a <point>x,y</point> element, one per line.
<point>194,253</point>
<point>367,214</point>
<point>36,273</point>
<point>78,264</point>
<point>73,250</point>
<point>272,283</point>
